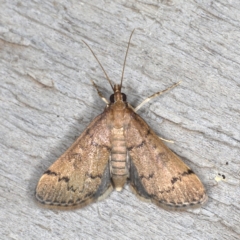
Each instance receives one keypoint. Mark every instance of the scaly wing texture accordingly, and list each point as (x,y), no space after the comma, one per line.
(81,175)
(156,173)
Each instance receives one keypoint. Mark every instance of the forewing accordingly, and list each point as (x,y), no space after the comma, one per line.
(81,175)
(156,173)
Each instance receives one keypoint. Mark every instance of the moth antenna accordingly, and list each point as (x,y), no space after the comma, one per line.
(99,64)
(125,59)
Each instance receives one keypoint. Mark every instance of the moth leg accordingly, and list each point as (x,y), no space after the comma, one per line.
(166,140)
(99,93)
(155,95)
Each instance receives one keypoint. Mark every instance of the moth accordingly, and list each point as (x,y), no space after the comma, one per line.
(119,146)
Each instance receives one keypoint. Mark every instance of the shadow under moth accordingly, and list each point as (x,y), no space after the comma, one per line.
(119,146)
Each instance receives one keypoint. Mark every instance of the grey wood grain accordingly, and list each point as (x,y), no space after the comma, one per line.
(47,99)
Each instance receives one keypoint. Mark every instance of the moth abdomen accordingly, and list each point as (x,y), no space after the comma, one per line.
(119,170)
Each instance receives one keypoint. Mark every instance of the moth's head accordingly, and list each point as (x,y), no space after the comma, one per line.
(118,95)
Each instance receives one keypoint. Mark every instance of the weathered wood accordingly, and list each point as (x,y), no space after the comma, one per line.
(47,99)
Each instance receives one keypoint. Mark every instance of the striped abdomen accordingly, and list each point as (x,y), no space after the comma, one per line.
(118,164)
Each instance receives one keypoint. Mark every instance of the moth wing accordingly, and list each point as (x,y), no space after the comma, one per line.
(156,173)
(81,175)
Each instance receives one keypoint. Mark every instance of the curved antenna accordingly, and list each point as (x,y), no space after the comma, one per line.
(125,59)
(100,65)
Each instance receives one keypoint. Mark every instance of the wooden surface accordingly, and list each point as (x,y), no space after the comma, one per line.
(47,99)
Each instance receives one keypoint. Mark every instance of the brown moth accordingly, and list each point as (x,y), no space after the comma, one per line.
(116,147)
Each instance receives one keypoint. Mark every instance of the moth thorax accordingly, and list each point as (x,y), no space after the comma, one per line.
(118,164)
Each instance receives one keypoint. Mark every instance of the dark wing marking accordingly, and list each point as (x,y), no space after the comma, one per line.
(156,173)
(81,175)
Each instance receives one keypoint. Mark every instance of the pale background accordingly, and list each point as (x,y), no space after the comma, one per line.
(47,99)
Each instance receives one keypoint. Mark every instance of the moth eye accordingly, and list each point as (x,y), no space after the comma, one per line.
(124,97)
(112,98)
